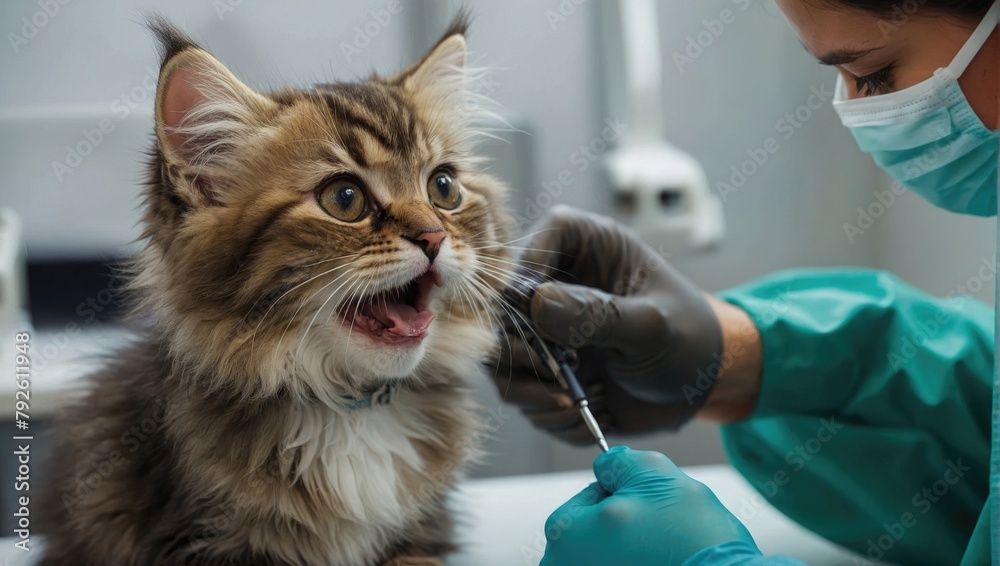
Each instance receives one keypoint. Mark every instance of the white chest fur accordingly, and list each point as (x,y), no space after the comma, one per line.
(364,476)
(368,474)
(359,457)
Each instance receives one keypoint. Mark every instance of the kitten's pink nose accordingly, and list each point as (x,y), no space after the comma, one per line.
(429,242)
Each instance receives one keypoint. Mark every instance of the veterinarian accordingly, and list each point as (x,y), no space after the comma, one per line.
(859,406)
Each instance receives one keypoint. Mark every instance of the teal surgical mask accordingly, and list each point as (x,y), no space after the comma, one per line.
(927,136)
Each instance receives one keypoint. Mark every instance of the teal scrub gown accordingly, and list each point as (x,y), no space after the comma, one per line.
(876,421)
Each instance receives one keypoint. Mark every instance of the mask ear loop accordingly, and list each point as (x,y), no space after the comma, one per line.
(840,89)
(976,41)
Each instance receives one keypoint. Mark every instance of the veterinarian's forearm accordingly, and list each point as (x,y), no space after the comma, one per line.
(734,395)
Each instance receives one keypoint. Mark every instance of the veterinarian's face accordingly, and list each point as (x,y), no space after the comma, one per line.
(883,53)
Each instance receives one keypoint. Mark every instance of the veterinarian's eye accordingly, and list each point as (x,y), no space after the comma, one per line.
(443,191)
(343,199)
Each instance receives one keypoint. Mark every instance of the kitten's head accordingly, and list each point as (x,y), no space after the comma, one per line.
(319,240)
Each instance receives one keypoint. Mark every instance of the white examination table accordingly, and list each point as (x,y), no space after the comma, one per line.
(505,518)
(502,520)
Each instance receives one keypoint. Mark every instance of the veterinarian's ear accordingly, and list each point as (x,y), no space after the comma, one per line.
(204,115)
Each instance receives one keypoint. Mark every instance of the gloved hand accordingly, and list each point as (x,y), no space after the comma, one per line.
(644,511)
(648,342)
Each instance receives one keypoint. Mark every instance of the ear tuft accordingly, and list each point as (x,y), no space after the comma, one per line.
(459,24)
(171,40)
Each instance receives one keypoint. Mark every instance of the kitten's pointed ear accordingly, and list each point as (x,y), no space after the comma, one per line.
(204,116)
(440,75)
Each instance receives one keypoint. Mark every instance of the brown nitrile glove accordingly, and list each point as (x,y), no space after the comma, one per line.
(648,342)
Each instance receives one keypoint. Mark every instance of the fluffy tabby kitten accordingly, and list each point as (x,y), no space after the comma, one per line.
(319,273)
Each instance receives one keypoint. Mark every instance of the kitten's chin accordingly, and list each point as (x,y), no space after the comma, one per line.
(375,357)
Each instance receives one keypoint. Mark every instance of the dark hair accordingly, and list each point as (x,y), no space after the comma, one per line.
(960,8)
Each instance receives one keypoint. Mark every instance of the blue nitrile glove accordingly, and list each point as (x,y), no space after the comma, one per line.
(644,511)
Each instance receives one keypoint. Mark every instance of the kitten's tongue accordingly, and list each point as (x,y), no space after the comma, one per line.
(400,319)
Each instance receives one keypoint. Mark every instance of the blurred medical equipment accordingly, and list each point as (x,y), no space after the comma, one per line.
(13,278)
(659,190)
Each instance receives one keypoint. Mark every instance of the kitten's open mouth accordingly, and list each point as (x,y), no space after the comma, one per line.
(396,315)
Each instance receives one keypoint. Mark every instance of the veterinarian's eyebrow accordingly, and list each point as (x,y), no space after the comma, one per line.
(843,56)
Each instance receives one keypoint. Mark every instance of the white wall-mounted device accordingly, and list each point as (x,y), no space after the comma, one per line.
(658,189)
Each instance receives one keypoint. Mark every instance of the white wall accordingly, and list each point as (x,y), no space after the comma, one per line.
(939,252)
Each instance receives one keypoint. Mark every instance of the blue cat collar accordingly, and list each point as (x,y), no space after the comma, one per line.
(381,396)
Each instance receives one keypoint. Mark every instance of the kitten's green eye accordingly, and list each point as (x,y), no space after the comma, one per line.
(443,191)
(344,200)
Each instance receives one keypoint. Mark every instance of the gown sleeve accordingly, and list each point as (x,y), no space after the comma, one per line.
(872,426)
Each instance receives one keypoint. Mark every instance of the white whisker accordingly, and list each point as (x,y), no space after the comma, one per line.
(361,295)
(253,336)
(307,299)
